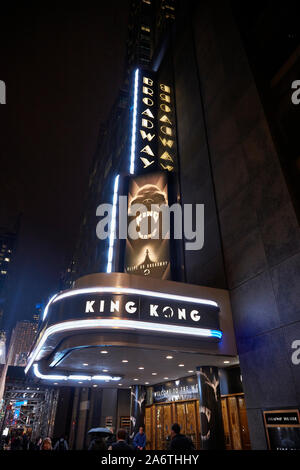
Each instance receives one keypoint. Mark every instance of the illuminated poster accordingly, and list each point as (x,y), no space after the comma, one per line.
(148,254)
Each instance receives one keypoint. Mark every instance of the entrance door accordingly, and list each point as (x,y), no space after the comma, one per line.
(160,417)
(235,422)
(167,424)
(192,423)
(159,427)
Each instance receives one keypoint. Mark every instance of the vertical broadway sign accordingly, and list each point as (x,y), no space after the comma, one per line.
(146,139)
(166,128)
(153,156)
(154,119)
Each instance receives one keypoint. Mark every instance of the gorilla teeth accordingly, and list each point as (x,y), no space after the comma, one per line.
(144,215)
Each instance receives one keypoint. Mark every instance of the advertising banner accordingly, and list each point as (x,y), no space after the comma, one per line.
(148,254)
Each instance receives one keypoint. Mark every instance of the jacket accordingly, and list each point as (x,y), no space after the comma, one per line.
(139,440)
(180,443)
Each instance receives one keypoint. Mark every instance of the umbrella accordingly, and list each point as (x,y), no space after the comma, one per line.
(100,431)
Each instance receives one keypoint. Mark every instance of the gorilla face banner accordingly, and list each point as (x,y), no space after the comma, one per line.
(147,249)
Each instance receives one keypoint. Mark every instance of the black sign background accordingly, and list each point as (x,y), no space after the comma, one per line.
(74,307)
(282,418)
(141,166)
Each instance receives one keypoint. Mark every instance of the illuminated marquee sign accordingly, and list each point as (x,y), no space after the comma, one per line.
(155,125)
(136,307)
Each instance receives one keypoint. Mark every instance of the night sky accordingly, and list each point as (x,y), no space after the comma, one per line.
(62,68)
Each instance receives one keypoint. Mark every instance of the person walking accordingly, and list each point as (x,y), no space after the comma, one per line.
(25,441)
(61,444)
(179,442)
(139,440)
(98,444)
(16,442)
(121,444)
(111,439)
(47,444)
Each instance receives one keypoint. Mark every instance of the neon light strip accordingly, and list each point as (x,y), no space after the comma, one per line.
(113,226)
(129,290)
(133,135)
(49,377)
(71,377)
(47,306)
(120,324)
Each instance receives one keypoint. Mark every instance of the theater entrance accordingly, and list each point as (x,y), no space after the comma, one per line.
(159,418)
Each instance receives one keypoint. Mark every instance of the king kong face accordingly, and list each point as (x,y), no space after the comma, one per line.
(149,195)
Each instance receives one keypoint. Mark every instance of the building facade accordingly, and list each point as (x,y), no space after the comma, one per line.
(192,126)
(21,342)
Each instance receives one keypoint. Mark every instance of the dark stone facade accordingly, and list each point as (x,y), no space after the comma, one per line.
(230,163)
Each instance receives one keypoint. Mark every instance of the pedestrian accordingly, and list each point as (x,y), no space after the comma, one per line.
(98,444)
(38,444)
(179,442)
(111,439)
(46,444)
(61,444)
(121,444)
(16,442)
(139,440)
(25,441)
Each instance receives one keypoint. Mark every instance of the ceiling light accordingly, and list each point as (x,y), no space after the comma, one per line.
(146,383)
(120,385)
(180,365)
(85,364)
(166,378)
(135,379)
(154,373)
(124,360)
(169,357)
(190,371)
(105,370)
(95,385)
(141,368)
(226,362)
(104,352)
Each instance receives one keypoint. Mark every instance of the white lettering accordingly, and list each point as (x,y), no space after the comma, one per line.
(147,136)
(153,310)
(89,306)
(181,314)
(114,306)
(195,315)
(130,307)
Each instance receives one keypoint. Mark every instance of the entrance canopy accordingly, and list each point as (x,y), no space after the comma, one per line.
(88,330)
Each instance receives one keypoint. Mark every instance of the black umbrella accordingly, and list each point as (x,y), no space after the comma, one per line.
(101,432)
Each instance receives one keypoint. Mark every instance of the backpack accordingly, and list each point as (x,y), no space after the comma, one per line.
(61,445)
